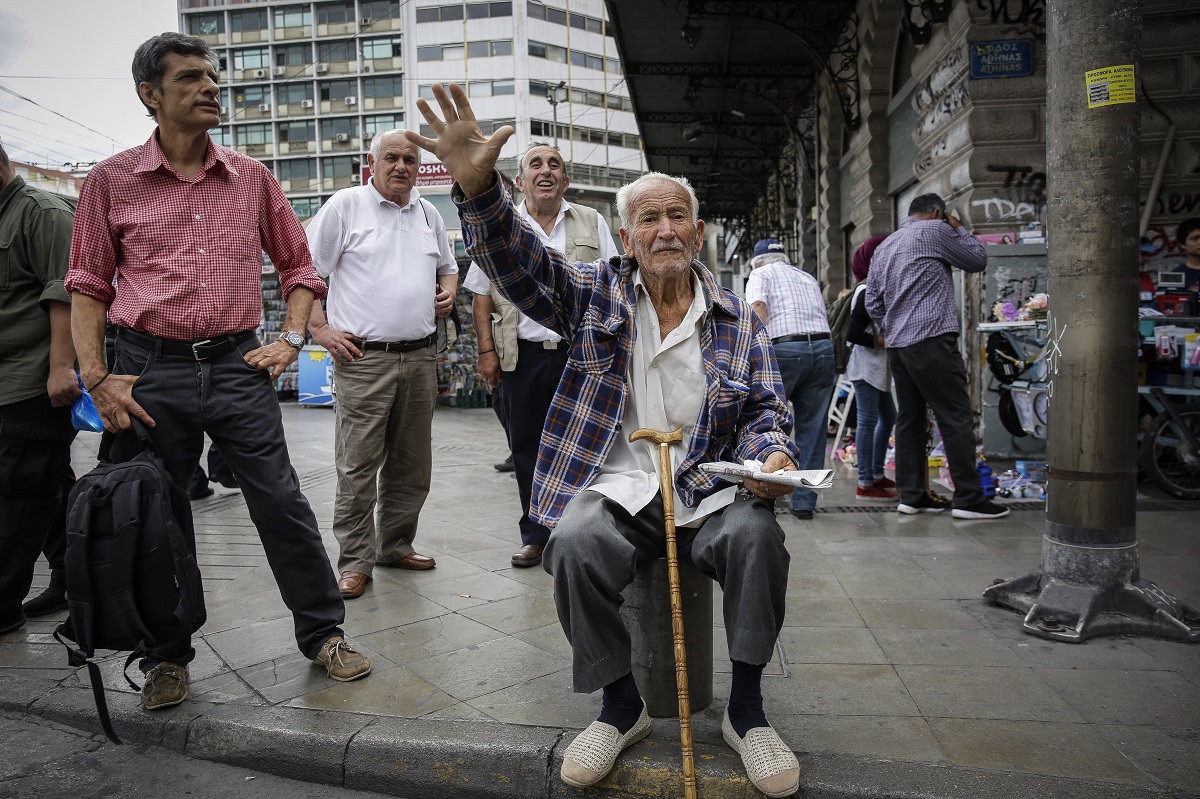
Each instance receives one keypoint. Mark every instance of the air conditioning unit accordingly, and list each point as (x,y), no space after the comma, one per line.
(322,69)
(366,21)
(280,71)
(260,73)
(224,114)
(351,101)
(366,67)
(264,107)
(343,137)
(356,180)
(306,103)
(368,135)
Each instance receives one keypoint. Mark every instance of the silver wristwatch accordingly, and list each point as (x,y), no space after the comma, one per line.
(292,338)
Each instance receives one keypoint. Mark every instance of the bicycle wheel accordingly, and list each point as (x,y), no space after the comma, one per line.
(1170,460)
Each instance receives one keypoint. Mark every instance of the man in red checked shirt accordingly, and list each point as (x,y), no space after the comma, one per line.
(181,223)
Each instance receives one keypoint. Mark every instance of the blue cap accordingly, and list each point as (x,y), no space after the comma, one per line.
(765,246)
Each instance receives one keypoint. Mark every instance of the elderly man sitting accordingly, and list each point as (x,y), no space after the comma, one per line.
(655,342)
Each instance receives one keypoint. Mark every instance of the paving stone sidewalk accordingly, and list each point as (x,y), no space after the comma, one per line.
(892,676)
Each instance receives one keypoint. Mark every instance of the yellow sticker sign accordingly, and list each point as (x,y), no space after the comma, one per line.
(1110,86)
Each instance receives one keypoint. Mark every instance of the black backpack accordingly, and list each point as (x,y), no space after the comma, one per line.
(132,577)
(838,315)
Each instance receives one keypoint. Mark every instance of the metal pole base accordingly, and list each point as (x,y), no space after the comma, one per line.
(1082,592)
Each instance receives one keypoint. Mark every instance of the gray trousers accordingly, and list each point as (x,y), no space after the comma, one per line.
(596,547)
(236,405)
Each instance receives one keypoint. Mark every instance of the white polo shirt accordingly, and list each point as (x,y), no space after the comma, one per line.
(382,262)
(527,329)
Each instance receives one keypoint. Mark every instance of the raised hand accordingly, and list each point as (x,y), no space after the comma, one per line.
(468,155)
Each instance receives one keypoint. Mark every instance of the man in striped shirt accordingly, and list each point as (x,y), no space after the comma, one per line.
(182,223)
(655,343)
(788,300)
(910,296)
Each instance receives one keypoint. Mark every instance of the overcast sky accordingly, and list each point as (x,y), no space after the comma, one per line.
(72,58)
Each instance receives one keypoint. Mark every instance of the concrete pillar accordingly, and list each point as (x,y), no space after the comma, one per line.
(1089,583)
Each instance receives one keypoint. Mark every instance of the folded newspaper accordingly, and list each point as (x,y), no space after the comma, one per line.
(803,478)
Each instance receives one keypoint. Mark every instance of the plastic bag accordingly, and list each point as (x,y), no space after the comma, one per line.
(84,415)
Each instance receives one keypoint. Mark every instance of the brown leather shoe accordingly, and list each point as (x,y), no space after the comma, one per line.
(414,562)
(352,584)
(528,555)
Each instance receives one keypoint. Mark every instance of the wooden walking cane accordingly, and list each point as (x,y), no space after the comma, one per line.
(664,440)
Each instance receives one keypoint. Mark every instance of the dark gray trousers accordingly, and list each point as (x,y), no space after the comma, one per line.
(596,547)
(931,374)
(236,405)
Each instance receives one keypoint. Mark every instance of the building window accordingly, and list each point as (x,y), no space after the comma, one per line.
(252,58)
(441,52)
(340,166)
(251,96)
(305,207)
(248,21)
(335,14)
(614,102)
(206,25)
(221,136)
(440,13)
(384,86)
(297,131)
(487,126)
(486,49)
(486,88)
(293,55)
(538,127)
(340,50)
(337,89)
(347,126)
(550,52)
(559,17)
(381,122)
(485,10)
(297,169)
(380,9)
(386,47)
(248,135)
(294,92)
(292,17)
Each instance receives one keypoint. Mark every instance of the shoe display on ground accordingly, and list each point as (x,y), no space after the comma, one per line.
(49,601)
(352,584)
(873,493)
(413,562)
(594,751)
(528,555)
(984,510)
(883,482)
(930,503)
(507,466)
(803,515)
(166,686)
(201,493)
(770,764)
(343,662)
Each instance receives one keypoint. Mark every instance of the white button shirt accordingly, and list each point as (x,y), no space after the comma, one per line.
(382,262)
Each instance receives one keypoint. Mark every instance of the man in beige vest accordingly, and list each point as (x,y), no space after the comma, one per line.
(530,358)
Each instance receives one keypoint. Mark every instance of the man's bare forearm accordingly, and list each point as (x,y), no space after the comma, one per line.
(299,309)
(88,319)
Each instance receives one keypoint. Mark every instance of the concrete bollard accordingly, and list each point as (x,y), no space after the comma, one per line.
(647,615)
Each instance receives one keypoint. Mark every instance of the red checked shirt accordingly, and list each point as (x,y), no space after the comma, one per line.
(186,254)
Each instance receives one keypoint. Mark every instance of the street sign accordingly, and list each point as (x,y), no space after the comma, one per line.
(433,174)
(1004,58)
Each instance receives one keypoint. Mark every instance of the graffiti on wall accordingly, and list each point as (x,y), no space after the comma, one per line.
(1021,199)
(943,74)
(946,107)
(1177,203)
(1022,17)
(998,209)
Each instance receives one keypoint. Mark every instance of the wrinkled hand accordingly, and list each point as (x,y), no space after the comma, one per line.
(443,301)
(114,400)
(339,343)
(63,386)
(468,155)
(275,357)
(777,461)
(489,368)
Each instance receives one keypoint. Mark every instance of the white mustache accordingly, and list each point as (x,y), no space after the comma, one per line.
(660,246)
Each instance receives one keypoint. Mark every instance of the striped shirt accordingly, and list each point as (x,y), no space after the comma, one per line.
(594,307)
(187,253)
(793,299)
(910,291)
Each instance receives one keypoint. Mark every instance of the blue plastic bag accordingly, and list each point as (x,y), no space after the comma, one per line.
(84,415)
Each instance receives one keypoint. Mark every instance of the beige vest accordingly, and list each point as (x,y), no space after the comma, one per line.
(582,245)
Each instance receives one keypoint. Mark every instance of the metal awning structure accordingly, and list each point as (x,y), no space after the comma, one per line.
(725,94)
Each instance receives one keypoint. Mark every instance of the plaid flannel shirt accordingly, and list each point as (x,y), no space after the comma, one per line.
(592,306)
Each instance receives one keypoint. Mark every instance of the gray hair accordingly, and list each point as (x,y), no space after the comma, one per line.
(626,192)
(377,142)
(149,62)
(533,146)
(769,258)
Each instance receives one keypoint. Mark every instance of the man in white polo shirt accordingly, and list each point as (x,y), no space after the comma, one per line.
(391,273)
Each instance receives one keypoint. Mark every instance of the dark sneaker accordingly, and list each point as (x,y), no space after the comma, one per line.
(166,686)
(874,493)
(984,510)
(507,466)
(803,514)
(343,662)
(930,503)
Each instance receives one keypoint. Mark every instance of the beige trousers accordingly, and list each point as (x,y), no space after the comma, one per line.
(382,449)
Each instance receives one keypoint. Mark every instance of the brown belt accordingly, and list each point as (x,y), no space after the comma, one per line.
(395,346)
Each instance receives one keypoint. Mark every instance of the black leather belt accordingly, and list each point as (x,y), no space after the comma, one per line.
(204,349)
(396,346)
(801,337)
